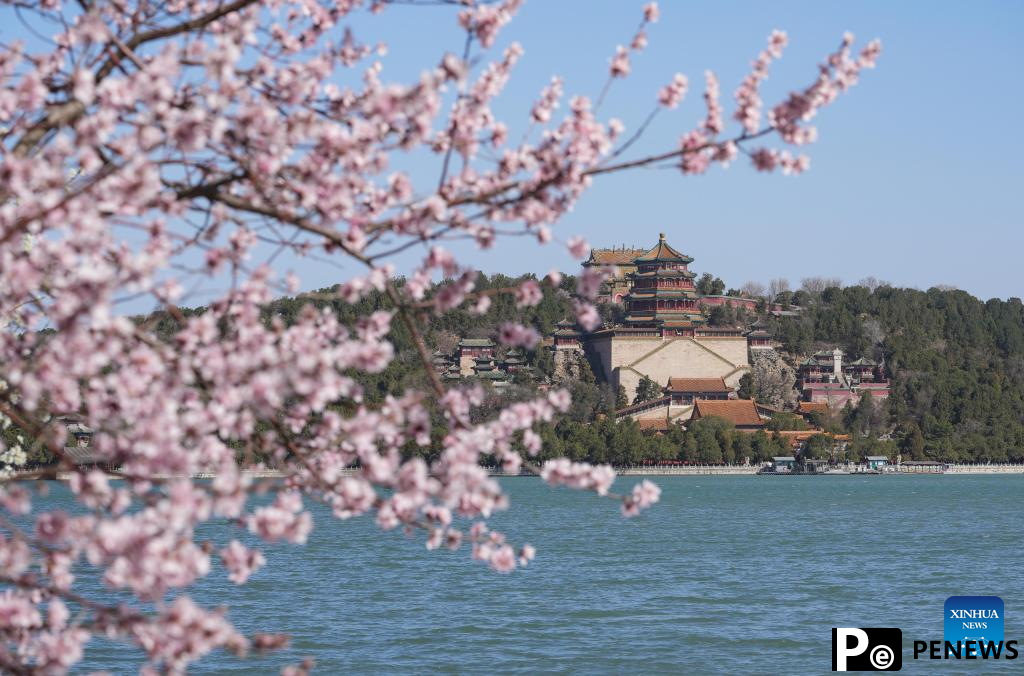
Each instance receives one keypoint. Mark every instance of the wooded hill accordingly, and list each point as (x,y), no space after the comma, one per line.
(956,365)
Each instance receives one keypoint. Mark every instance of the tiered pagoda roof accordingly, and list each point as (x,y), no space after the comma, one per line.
(483,364)
(662,293)
(566,328)
(662,251)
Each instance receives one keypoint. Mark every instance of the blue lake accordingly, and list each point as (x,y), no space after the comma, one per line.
(726,574)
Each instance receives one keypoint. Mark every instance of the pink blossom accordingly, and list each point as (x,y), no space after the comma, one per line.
(765,159)
(548,101)
(586,316)
(532,443)
(589,282)
(453,539)
(563,472)
(695,159)
(578,247)
(241,561)
(482,305)
(643,496)
(202,161)
(713,123)
(529,294)
(185,632)
(620,62)
(283,520)
(485,20)
(16,500)
(503,559)
(17,612)
(517,335)
(671,95)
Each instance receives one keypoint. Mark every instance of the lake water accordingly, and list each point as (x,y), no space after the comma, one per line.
(726,574)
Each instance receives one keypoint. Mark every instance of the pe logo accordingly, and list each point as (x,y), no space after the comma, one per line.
(973,621)
(877,649)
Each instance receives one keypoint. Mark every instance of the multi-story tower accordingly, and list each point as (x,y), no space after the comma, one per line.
(662,293)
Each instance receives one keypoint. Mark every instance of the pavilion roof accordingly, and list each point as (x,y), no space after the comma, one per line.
(699,385)
(492,375)
(811,406)
(653,424)
(740,412)
(663,252)
(621,256)
(476,342)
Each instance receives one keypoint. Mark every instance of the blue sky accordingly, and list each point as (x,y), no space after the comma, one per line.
(915,178)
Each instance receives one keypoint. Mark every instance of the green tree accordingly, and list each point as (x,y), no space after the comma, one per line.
(913,444)
(621,399)
(817,447)
(646,390)
(746,388)
(709,285)
(786,422)
(742,447)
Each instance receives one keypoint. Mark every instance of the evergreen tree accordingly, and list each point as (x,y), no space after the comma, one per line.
(646,390)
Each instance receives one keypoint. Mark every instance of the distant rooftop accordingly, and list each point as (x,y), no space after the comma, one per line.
(663,252)
(615,256)
(699,385)
(476,342)
(740,412)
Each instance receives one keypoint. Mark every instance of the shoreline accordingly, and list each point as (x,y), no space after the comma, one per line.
(690,470)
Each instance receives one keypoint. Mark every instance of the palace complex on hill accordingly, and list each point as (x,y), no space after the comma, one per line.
(477,358)
(665,333)
(665,336)
(824,378)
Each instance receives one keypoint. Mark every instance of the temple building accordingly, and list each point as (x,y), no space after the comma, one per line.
(566,336)
(486,368)
(740,412)
(824,378)
(471,348)
(620,260)
(684,391)
(514,362)
(662,294)
(759,339)
(665,332)
(445,365)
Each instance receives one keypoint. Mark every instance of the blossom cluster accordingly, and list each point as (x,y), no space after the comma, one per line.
(170,153)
